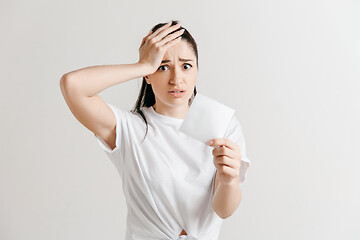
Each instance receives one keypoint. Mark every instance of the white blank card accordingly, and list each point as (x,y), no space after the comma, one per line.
(206,119)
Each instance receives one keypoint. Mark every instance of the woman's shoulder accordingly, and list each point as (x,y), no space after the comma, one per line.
(131,115)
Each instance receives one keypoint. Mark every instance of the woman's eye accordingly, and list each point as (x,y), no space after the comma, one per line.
(161,67)
(187,64)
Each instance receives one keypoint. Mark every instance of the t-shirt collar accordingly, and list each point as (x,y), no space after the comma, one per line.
(176,122)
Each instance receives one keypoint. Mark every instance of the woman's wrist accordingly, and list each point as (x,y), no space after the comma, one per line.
(145,68)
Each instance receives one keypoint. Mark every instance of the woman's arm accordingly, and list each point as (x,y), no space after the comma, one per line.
(90,81)
(80,89)
(227,193)
(226,199)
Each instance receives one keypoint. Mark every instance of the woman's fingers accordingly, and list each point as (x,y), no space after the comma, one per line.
(158,36)
(224,160)
(144,39)
(154,34)
(160,29)
(167,41)
(157,32)
(169,44)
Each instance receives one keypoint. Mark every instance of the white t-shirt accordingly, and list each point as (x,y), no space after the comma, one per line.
(168,178)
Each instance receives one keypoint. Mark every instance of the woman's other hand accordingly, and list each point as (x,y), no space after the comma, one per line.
(154,45)
(227,157)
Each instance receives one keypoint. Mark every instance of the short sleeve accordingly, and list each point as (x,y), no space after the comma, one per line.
(235,134)
(120,116)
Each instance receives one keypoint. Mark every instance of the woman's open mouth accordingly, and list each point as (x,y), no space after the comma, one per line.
(177,93)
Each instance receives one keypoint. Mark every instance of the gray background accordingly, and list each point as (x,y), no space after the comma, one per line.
(290,69)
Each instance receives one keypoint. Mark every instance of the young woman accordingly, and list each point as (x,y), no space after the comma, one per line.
(175,186)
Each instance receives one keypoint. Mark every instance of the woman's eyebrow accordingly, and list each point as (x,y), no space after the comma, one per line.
(181,59)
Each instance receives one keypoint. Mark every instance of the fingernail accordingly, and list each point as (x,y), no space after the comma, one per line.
(210,142)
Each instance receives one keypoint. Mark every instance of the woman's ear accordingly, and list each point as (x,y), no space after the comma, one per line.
(147,79)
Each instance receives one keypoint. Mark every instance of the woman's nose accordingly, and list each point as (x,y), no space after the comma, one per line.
(176,77)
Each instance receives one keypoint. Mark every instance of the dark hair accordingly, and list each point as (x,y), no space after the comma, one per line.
(146,96)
